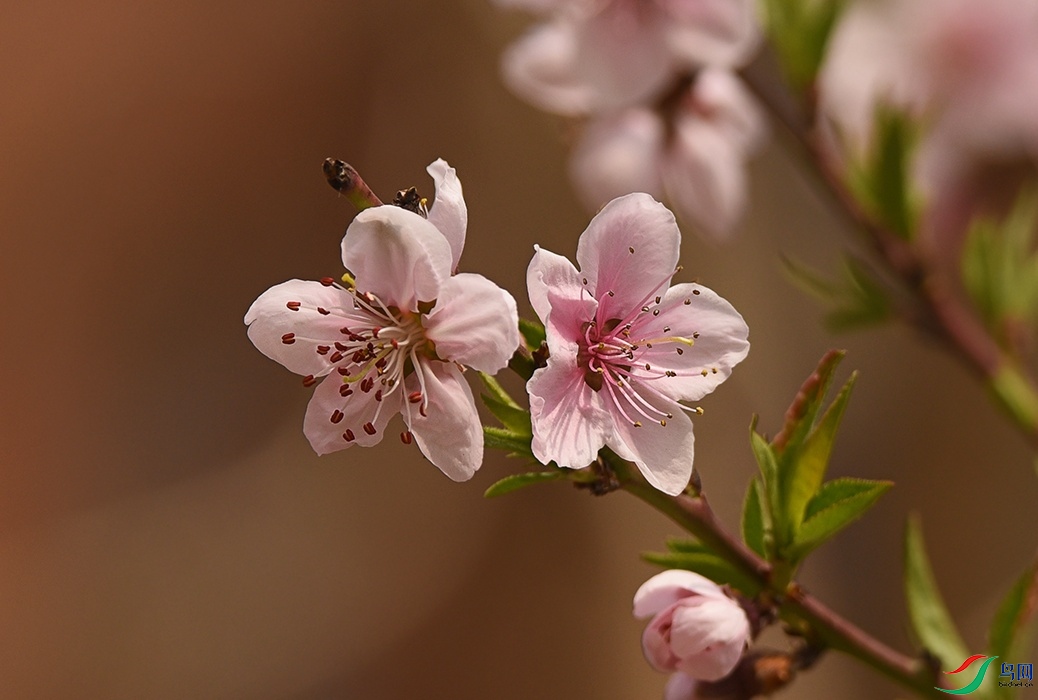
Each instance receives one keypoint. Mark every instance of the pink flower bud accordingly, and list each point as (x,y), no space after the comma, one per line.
(696,628)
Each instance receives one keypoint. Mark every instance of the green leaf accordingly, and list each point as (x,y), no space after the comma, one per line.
(803,476)
(706,563)
(854,300)
(754,531)
(799,30)
(504,439)
(800,416)
(838,504)
(1013,625)
(518,481)
(927,613)
(532,332)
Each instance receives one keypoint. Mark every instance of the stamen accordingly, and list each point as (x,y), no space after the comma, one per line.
(369,429)
(345,390)
(337,416)
(309,380)
(323,349)
(323,311)
(327,281)
(406,437)
(288,338)
(348,436)
(293,305)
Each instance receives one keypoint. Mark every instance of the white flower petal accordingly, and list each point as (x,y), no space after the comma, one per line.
(622,280)
(449,213)
(680,686)
(668,587)
(663,454)
(396,255)
(292,337)
(474,323)
(450,435)
(719,336)
(552,279)
(328,431)
(712,32)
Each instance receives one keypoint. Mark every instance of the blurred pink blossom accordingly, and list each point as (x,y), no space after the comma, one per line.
(696,629)
(592,56)
(698,164)
(626,347)
(390,345)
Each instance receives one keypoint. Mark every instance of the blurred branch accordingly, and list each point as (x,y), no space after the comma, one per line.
(936,310)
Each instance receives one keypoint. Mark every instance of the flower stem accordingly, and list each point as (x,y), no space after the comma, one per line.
(794,604)
(938,311)
(347,181)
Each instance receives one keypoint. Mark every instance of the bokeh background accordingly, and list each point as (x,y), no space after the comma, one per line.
(165,529)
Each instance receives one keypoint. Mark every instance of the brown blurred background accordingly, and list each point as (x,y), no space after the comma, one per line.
(165,529)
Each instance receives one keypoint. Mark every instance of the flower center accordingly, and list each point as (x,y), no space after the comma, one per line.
(627,358)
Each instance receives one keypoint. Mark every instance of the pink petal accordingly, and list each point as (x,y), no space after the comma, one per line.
(663,454)
(541,68)
(396,255)
(449,213)
(291,337)
(705,177)
(554,284)
(328,435)
(712,32)
(656,643)
(618,154)
(474,323)
(709,637)
(623,55)
(668,587)
(569,424)
(721,98)
(680,687)
(719,336)
(450,435)
(623,281)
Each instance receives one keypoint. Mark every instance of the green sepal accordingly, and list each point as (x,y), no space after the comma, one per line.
(519,481)
(854,300)
(836,505)
(512,416)
(927,613)
(505,439)
(882,182)
(692,556)
(533,332)
(799,31)
(755,531)
(1012,628)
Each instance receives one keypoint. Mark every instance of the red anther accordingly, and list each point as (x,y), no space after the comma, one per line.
(406,437)
(348,436)
(421,410)
(358,356)
(367,384)
(394,343)
(381,363)
(309,380)
(323,311)
(345,330)
(288,338)
(369,429)
(337,416)
(378,395)
(293,305)
(414,396)
(375,331)
(344,371)
(341,347)
(345,390)
(335,357)
(323,349)
(327,281)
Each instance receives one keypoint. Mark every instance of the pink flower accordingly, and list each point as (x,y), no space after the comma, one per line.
(698,164)
(625,348)
(597,55)
(695,629)
(394,342)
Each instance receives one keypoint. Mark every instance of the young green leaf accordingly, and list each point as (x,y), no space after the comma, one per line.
(926,611)
(532,332)
(504,439)
(518,481)
(754,531)
(708,564)
(799,31)
(1013,625)
(802,477)
(511,416)
(800,416)
(839,503)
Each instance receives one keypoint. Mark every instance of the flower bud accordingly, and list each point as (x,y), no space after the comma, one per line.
(696,628)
